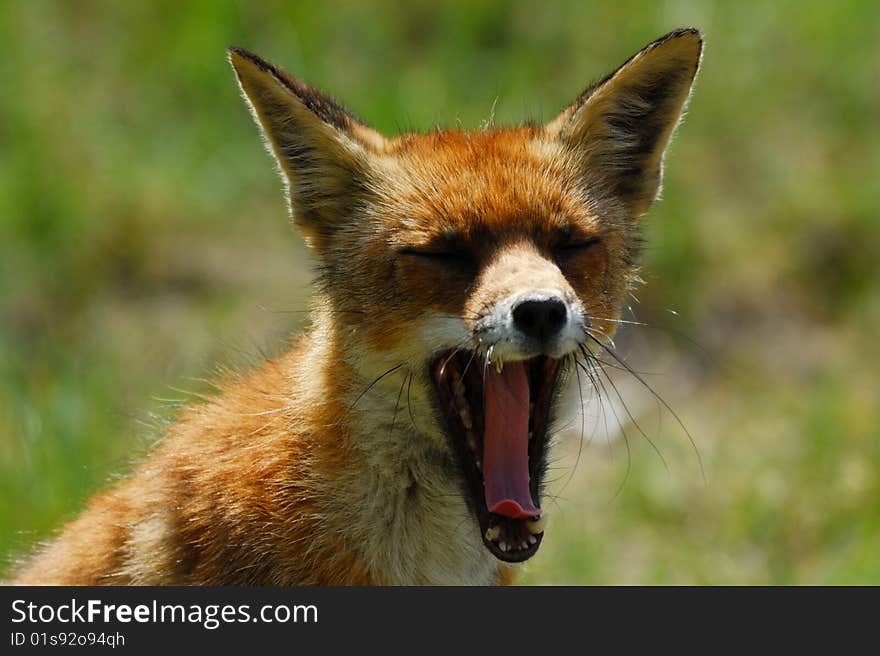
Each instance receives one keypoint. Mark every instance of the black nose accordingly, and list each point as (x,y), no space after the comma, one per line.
(541,319)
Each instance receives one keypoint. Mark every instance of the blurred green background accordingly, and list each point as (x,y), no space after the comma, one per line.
(144,242)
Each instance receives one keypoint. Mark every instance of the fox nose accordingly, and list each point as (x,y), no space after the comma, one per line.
(540,318)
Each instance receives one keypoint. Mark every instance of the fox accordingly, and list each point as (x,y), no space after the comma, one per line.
(462,276)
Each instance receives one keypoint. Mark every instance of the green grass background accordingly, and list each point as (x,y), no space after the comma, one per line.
(143,241)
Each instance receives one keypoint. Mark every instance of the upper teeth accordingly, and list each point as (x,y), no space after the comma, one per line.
(465,415)
(463,410)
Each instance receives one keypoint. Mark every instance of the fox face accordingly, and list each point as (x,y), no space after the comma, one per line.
(463,276)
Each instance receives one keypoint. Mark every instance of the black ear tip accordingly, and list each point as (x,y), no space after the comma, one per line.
(236,53)
(684,32)
(687,40)
(691,34)
(238,56)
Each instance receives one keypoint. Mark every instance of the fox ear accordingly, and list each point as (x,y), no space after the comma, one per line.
(617,130)
(323,151)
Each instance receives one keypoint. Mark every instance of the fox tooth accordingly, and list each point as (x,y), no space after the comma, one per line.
(492,533)
(536,526)
(503,546)
(532,539)
(465,415)
(458,388)
(499,365)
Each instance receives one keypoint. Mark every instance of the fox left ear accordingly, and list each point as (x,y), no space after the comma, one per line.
(323,151)
(617,130)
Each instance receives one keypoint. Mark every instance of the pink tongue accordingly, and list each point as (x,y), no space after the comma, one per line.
(506,442)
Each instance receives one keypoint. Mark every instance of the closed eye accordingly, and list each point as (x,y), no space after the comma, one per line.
(439,256)
(575,247)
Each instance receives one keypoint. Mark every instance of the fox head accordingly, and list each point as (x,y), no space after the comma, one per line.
(483,267)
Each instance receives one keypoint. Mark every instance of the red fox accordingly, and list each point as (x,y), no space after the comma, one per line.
(404,438)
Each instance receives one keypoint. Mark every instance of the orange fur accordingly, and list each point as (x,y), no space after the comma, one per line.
(308,470)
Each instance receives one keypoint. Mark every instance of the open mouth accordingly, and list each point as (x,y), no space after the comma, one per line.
(497,418)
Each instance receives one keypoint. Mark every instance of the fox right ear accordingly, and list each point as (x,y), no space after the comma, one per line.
(323,151)
(617,131)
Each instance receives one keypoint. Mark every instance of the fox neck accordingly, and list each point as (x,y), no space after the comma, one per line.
(396,495)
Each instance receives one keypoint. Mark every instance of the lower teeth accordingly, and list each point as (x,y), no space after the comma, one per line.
(495,533)
(536,526)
